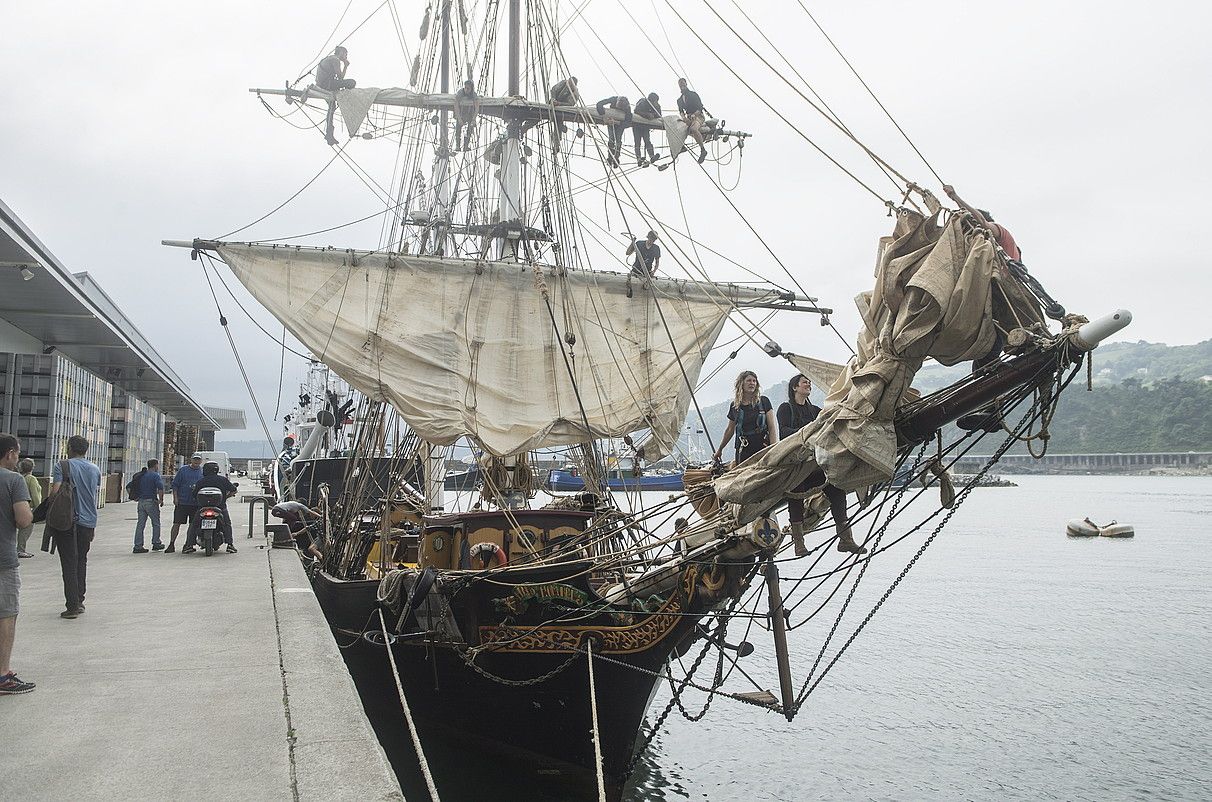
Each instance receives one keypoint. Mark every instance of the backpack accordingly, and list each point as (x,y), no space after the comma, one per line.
(61,512)
(132,487)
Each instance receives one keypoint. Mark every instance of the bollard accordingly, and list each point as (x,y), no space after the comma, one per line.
(252,505)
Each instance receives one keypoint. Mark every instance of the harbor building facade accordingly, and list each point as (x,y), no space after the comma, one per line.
(71,362)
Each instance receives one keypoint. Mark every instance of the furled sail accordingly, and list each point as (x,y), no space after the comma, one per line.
(355,104)
(940,292)
(515,357)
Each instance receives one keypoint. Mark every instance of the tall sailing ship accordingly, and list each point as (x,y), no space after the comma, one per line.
(485,316)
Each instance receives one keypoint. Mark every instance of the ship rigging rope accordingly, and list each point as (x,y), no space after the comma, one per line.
(836,49)
(236,353)
(304,73)
(811,89)
(836,123)
(283,204)
(412,727)
(782,117)
(255,322)
(1033,413)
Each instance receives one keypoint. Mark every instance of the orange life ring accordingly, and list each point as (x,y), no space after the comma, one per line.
(489,551)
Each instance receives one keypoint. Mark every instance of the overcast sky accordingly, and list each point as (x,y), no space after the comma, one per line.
(1081,125)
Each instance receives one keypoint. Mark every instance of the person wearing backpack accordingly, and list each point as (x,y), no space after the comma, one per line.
(73,539)
(147,488)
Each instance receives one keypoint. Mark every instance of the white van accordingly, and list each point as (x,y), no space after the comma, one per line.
(216,456)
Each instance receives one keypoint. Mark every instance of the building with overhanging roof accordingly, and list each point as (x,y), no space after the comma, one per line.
(72,363)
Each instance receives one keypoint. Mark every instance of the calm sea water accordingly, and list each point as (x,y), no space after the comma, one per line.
(1012,663)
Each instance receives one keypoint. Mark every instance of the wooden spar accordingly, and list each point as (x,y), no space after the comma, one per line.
(917,422)
(778,625)
(445,113)
(820,310)
(508,108)
(515,47)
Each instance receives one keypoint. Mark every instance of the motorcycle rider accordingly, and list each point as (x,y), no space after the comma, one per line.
(212,478)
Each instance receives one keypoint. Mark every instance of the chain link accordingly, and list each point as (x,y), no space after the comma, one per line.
(517,683)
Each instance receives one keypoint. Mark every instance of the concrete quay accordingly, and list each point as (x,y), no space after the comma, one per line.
(187,677)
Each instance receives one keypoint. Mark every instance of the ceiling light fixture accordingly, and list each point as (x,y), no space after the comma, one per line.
(26,274)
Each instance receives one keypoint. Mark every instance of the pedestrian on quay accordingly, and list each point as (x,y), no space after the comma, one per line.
(149,493)
(212,478)
(185,505)
(15,514)
(73,544)
(26,467)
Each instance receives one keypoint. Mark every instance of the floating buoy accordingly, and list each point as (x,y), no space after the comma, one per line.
(1115,529)
(1081,527)
(1084,527)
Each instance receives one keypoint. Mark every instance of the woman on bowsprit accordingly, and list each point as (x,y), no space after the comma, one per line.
(750,419)
(794,414)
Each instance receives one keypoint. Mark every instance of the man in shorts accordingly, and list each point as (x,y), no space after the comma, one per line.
(185,506)
(15,514)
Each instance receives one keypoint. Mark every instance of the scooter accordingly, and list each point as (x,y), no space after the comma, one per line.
(211,521)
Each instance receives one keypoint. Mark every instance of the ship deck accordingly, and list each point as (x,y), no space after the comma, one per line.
(187,677)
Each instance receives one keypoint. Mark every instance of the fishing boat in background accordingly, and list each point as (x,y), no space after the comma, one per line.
(621,473)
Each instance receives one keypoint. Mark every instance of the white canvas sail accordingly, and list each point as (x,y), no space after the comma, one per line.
(462,348)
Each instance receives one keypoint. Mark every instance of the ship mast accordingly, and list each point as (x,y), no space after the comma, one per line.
(441,175)
(509,207)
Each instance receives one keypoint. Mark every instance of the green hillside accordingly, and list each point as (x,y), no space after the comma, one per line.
(1146,397)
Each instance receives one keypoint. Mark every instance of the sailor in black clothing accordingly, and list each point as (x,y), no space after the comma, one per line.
(615,129)
(330,76)
(794,414)
(650,109)
(690,106)
(647,255)
(564,93)
(467,106)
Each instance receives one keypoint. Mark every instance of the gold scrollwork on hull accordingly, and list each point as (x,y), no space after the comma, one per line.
(613,640)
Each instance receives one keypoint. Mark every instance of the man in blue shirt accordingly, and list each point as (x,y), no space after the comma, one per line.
(185,507)
(149,493)
(73,545)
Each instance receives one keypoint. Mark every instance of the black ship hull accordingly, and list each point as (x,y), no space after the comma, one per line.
(374,478)
(547,723)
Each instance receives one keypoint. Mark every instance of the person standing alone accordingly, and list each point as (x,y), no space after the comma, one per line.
(73,544)
(15,514)
(149,493)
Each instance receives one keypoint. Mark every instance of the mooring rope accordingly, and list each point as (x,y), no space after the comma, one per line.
(593,707)
(412,727)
